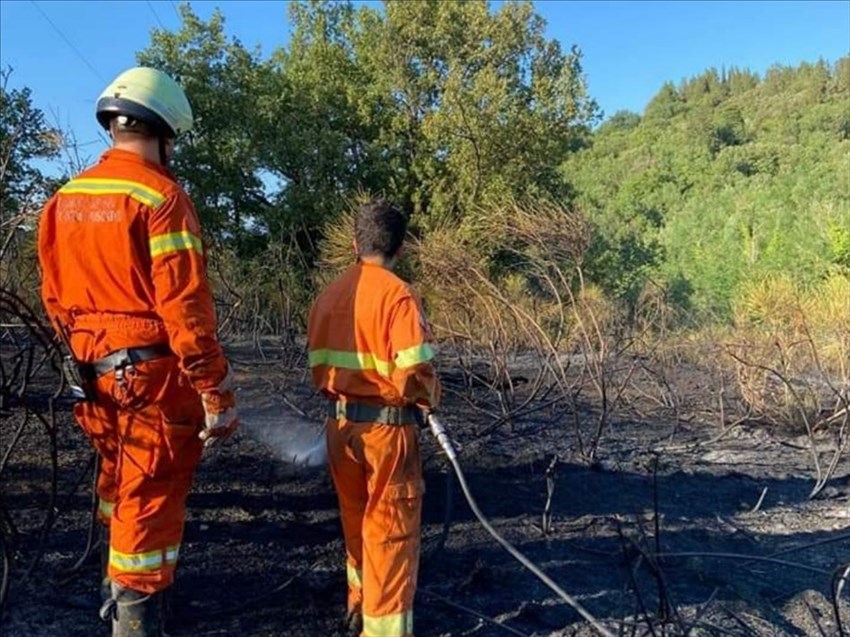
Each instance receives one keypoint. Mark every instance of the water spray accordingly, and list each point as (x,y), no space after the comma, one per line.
(292,438)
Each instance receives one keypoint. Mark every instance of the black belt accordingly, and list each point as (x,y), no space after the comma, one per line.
(125,357)
(360,412)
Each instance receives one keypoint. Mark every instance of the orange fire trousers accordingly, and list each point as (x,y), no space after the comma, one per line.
(145,428)
(377,473)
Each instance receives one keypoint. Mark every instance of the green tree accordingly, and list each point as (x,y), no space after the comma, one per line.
(25,140)
(443,106)
(440,105)
(25,137)
(218,164)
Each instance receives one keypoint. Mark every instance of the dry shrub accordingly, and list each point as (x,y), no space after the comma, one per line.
(470,314)
(791,348)
(335,249)
(600,315)
(504,291)
(266,295)
(505,275)
(19,271)
(828,312)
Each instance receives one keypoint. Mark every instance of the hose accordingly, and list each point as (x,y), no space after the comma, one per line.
(4,573)
(91,542)
(439,432)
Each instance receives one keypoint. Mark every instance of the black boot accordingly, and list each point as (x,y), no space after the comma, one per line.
(133,613)
(354,623)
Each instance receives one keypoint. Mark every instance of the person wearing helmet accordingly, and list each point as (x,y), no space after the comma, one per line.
(124,283)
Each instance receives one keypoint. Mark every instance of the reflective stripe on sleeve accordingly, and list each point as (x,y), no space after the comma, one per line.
(414,355)
(173,241)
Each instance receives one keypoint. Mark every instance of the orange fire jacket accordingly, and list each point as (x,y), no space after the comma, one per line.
(368,341)
(123,265)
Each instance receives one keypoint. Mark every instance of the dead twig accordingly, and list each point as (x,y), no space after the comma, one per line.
(470,611)
(739,556)
(815,618)
(761,499)
(839,579)
(546,522)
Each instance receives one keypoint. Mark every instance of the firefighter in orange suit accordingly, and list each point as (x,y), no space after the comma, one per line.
(370,356)
(124,283)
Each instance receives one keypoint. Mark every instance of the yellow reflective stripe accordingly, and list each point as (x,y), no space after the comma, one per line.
(105,508)
(171,554)
(355,576)
(135,562)
(174,241)
(349,360)
(100,186)
(140,562)
(414,355)
(397,625)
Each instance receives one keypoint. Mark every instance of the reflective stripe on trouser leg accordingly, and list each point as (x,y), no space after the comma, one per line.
(99,421)
(104,510)
(141,562)
(354,576)
(398,625)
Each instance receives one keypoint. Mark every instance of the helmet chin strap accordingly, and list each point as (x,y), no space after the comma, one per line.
(162,158)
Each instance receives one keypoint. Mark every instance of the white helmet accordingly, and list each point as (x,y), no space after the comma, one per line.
(149,96)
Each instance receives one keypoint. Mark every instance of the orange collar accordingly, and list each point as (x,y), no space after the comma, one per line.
(133,158)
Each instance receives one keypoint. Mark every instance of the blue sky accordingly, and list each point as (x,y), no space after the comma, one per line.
(630,48)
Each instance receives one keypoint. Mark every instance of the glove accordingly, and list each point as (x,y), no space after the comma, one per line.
(421,413)
(220,413)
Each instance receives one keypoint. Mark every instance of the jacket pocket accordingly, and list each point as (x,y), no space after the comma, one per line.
(182,414)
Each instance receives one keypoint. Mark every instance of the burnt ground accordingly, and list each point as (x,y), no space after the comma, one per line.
(262,554)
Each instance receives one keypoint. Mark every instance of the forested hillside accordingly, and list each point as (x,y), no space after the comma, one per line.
(724,179)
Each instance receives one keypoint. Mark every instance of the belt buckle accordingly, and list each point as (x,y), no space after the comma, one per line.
(124,363)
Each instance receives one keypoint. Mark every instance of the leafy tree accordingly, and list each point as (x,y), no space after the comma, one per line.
(218,165)
(443,106)
(665,104)
(440,105)
(25,139)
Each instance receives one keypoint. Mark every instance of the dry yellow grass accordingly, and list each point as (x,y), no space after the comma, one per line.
(790,345)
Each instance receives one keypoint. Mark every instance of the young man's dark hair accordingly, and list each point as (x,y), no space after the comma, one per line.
(379,229)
